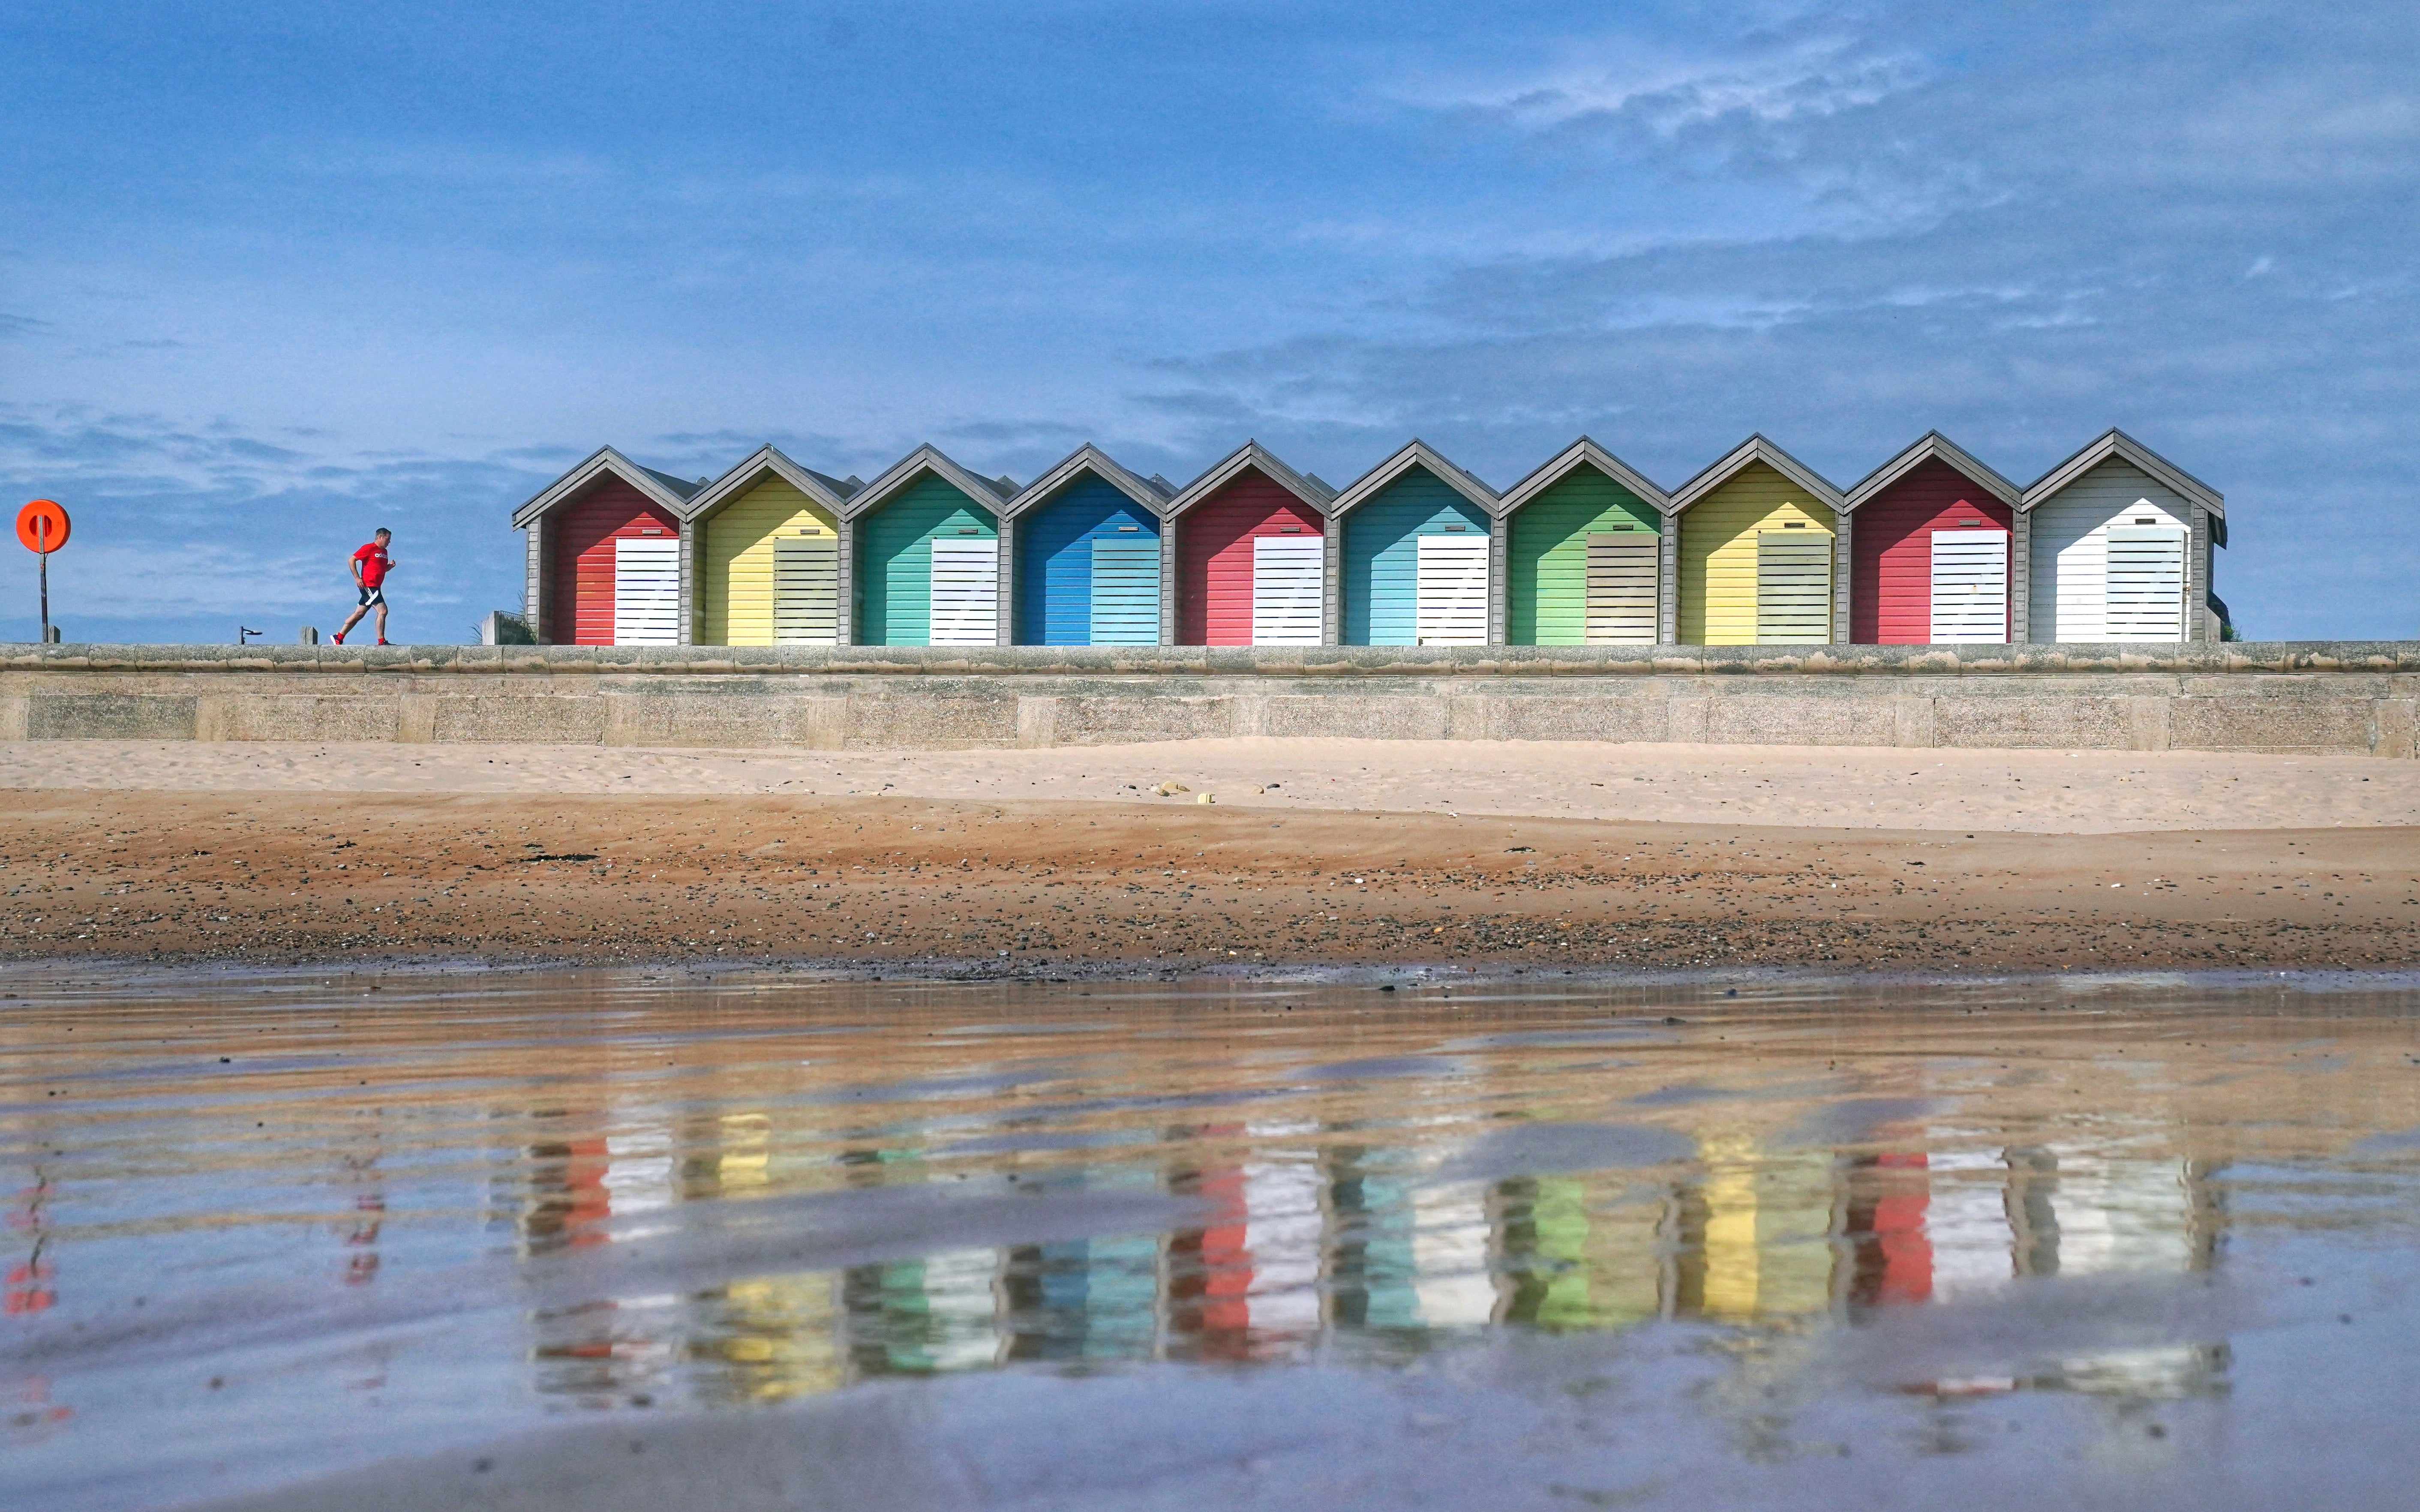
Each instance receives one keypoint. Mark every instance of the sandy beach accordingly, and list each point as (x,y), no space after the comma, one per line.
(1309,852)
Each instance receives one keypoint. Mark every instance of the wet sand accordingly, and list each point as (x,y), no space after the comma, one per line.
(621,1240)
(1510,856)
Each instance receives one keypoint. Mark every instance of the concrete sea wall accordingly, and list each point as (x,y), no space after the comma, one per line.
(2317,697)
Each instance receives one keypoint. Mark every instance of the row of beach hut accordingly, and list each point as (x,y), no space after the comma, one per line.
(1933,547)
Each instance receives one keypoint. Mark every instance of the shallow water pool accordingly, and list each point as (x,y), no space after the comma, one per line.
(2115,1241)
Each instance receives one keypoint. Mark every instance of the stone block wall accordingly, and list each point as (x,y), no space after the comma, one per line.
(2307,697)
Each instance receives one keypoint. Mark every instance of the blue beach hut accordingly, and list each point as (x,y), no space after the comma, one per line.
(1085,538)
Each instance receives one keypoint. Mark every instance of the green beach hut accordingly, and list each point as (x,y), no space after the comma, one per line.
(1586,553)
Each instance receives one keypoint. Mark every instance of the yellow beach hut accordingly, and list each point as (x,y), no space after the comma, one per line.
(765,547)
(1761,534)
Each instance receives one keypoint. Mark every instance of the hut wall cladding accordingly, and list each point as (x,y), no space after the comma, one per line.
(2069,551)
(1380,559)
(1718,551)
(1213,556)
(736,560)
(579,590)
(1891,550)
(1054,563)
(1546,554)
(894,559)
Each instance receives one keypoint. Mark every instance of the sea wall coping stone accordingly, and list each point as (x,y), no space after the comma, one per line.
(2233,658)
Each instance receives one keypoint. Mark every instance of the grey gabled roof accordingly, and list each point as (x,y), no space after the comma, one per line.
(825,490)
(1932,446)
(663,487)
(1755,449)
(1583,452)
(1151,493)
(923,459)
(1417,454)
(2117,443)
(1254,456)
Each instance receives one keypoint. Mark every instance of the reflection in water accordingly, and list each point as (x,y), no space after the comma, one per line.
(1887,1243)
(1313,1149)
(1314,1230)
(30,1272)
(566,1200)
(1348,1240)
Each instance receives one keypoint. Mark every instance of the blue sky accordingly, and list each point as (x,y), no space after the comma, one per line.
(273,274)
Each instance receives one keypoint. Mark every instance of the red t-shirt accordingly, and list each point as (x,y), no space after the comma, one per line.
(373,561)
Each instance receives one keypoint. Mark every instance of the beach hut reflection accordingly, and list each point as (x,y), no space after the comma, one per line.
(565,1201)
(917,1317)
(1319,1236)
(1373,1258)
(1247,1284)
(610,1349)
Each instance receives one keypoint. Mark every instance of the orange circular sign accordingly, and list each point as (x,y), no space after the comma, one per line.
(42,525)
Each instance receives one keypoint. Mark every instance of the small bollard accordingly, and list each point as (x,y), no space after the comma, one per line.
(309,636)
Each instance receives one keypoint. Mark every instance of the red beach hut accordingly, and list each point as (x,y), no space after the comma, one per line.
(1931,557)
(1251,555)
(604,555)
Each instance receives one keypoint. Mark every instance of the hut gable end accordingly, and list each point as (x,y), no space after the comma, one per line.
(1933,447)
(2125,448)
(1090,461)
(1223,587)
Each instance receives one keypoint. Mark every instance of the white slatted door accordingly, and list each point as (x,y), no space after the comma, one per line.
(1286,577)
(1126,591)
(806,590)
(1970,586)
(1621,587)
(2147,582)
(965,591)
(646,591)
(1794,587)
(1451,604)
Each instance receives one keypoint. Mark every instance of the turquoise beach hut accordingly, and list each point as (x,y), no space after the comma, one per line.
(925,555)
(1411,555)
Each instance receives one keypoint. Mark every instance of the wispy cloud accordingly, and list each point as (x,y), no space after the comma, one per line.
(1631,90)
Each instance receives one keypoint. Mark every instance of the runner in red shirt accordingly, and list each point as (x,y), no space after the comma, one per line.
(370,566)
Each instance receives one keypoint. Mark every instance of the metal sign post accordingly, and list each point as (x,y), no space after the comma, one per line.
(43,529)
